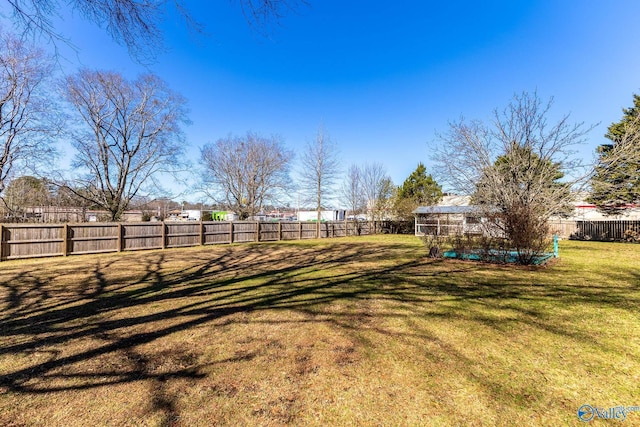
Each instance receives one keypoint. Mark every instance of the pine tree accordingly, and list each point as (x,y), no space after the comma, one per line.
(616,180)
(419,189)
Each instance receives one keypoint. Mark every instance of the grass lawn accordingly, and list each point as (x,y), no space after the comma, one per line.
(349,331)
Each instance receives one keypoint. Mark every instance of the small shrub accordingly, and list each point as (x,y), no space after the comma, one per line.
(434,243)
(493,249)
(632,235)
(461,244)
(527,231)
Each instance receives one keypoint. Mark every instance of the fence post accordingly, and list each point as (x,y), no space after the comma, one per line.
(257,231)
(202,237)
(300,230)
(164,235)
(120,241)
(65,240)
(279,230)
(1,242)
(230,231)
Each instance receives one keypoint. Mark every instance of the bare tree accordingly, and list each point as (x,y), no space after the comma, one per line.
(128,132)
(132,23)
(28,116)
(519,169)
(378,189)
(246,172)
(352,190)
(319,172)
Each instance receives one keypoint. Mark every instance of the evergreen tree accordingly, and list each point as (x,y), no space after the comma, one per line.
(419,189)
(616,180)
(521,177)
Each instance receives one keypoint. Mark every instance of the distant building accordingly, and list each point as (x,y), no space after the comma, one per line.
(57,214)
(223,216)
(333,215)
(584,211)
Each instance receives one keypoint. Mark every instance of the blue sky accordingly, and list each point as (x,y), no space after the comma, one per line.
(384,77)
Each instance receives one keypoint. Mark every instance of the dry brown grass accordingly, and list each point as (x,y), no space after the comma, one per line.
(355,331)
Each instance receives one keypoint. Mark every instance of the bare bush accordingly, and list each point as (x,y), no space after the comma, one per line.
(519,170)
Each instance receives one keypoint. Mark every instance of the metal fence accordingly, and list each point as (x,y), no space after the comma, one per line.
(43,240)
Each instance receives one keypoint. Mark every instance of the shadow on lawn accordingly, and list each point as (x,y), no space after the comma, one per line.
(131,300)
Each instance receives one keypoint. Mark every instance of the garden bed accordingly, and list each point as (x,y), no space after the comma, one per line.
(510,257)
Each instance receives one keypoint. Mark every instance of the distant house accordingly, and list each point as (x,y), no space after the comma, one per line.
(176,215)
(585,211)
(193,214)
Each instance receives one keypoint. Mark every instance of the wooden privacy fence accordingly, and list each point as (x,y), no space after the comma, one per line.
(564,228)
(43,240)
(612,230)
(601,230)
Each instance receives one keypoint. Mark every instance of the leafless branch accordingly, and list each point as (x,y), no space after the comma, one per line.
(246,172)
(519,169)
(320,168)
(29,117)
(129,132)
(135,24)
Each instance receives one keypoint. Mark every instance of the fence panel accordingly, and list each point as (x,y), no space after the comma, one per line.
(145,235)
(354,228)
(180,234)
(366,228)
(93,238)
(563,228)
(217,232)
(308,230)
(245,231)
(33,240)
(269,231)
(324,230)
(609,230)
(291,230)
(339,229)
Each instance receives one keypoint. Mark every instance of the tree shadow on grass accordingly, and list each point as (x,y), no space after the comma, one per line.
(131,300)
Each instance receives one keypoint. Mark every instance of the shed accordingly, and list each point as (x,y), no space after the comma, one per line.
(448,220)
